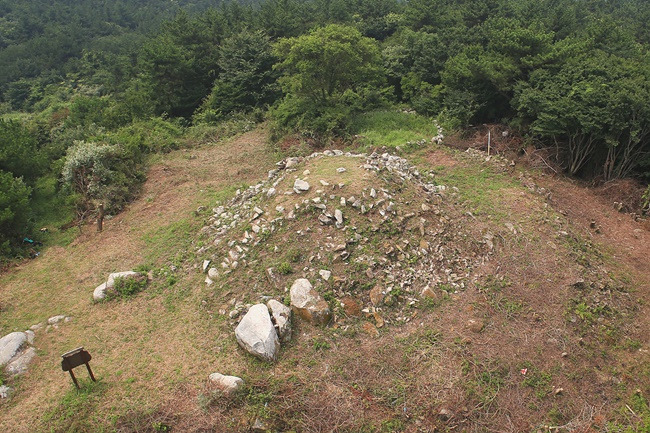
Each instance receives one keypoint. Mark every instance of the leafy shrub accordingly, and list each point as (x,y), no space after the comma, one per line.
(102,173)
(285,268)
(126,287)
(19,151)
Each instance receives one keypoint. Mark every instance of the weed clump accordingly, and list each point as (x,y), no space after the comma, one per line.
(127,287)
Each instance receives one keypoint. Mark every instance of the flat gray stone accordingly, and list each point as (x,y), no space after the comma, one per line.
(55,319)
(10,345)
(20,364)
(257,335)
(300,186)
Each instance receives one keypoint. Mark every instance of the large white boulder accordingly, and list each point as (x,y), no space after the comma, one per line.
(256,334)
(10,345)
(20,364)
(110,283)
(99,294)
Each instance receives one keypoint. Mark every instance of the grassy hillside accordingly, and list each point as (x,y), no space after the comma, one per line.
(535,321)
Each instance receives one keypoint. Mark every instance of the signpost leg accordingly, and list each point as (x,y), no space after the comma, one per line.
(90,372)
(74,379)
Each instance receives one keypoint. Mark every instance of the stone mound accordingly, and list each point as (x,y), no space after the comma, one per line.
(376,237)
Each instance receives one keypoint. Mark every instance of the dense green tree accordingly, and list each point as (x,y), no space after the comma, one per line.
(20,153)
(246,78)
(14,210)
(595,107)
(326,75)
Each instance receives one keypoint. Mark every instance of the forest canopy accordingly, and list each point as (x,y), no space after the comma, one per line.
(121,79)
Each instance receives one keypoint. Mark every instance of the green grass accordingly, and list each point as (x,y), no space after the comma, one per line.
(51,209)
(480,188)
(172,241)
(392,128)
(75,411)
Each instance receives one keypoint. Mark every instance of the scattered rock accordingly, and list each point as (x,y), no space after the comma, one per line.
(5,391)
(351,306)
(291,162)
(229,385)
(55,319)
(376,295)
(257,335)
(308,304)
(370,329)
(338,215)
(324,220)
(475,325)
(300,186)
(428,292)
(445,414)
(213,274)
(126,275)
(341,170)
(281,317)
(103,290)
(206,265)
(259,426)
(325,274)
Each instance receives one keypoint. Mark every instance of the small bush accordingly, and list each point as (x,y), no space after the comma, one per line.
(285,268)
(127,287)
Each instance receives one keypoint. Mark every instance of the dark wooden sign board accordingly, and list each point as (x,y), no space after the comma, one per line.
(75,358)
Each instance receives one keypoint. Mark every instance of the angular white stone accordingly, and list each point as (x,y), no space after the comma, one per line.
(227,384)
(308,304)
(300,186)
(325,274)
(256,334)
(338,215)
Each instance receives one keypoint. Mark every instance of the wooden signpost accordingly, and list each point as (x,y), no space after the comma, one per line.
(75,358)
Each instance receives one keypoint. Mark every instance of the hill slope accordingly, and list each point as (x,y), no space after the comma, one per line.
(531,318)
